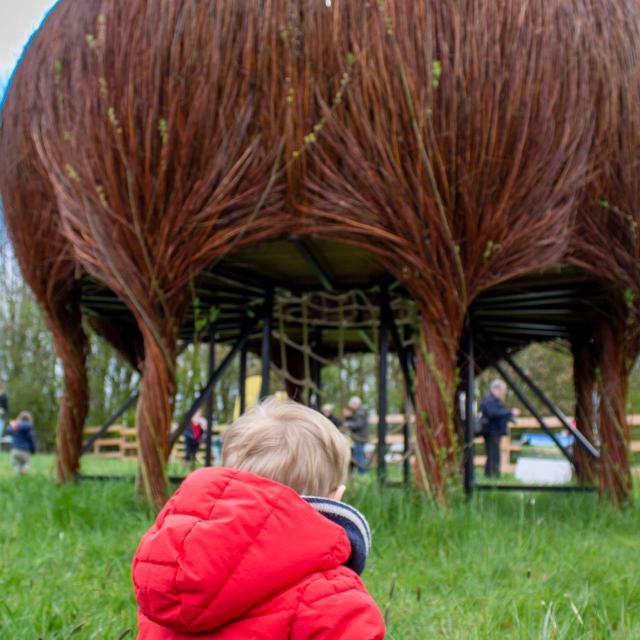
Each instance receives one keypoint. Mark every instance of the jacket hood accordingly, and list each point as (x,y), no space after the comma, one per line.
(226,541)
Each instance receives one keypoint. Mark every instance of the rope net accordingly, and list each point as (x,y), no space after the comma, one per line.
(319,329)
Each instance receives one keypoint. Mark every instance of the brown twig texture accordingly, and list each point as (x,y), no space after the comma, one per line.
(462,143)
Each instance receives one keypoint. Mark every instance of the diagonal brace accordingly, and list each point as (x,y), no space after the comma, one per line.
(129,402)
(580,438)
(216,375)
(534,412)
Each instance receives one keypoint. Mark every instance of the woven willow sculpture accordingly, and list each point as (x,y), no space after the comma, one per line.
(462,144)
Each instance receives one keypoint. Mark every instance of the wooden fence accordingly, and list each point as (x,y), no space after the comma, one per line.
(119,442)
(511,446)
(122,441)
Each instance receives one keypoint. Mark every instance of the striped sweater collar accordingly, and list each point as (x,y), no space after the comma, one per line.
(353,522)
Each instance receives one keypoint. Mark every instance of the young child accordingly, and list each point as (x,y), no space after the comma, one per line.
(23,442)
(240,551)
(192,436)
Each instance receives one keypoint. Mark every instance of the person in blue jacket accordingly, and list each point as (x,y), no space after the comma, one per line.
(495,418)
(23,442)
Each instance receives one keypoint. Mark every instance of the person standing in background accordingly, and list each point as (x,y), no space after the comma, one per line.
(4,407)
(193,436)
(23,442)
(355,419)
(495,418)
(327,412)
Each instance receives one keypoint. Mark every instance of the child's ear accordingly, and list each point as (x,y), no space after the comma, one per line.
(338,493)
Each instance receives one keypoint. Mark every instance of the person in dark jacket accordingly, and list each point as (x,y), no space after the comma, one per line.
(23,443)
(355,419)
(4,407)
(495,418)
(327,412)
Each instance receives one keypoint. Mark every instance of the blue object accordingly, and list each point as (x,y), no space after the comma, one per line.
(543,440)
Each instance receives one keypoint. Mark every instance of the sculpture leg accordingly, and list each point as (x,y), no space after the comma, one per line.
(615,464)
(438,445)
(71,347)
(154,414)
(584,382)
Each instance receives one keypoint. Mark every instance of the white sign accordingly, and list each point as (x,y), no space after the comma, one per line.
(543,471)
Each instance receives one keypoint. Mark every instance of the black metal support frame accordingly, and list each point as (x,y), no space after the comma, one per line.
(470,434)
(406,449)
(580,438)
(534,412)
(213,379)
(383,352)
(315,398)
(267,329)
(305,248)
(242,378)
(536,487)
(469,422)
(210,397)
(408,379)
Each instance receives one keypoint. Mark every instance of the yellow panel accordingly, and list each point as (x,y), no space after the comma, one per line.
(252,393)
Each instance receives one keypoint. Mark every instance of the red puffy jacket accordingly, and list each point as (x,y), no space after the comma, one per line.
(234,555)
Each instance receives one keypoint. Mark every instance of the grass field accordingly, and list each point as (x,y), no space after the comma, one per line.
(504,566)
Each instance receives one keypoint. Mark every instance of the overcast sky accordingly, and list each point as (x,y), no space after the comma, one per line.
(18,20)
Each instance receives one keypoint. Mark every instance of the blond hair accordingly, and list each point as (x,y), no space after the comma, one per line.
(291,444)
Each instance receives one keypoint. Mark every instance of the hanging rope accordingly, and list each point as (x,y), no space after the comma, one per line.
(334,315)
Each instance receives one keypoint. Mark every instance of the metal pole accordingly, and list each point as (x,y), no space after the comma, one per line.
(411,357)
(316,376)
(534,412)
(536,487)
(406,449)
(383,350)
(315,395)
(211,369)
(407,377)
(403,355)
(586,445)
(469,430)
(218,373)
(266,344)
(242,381)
